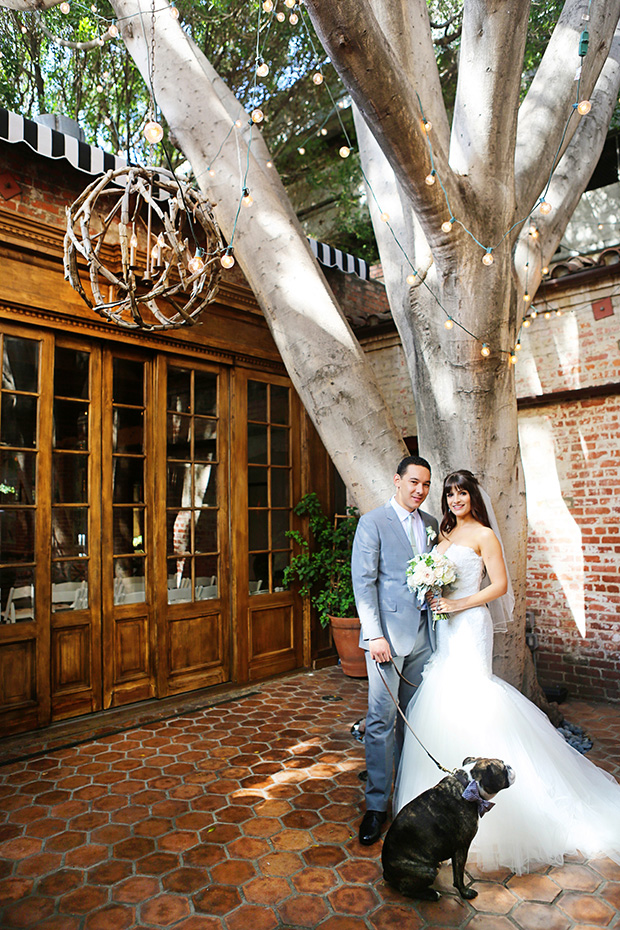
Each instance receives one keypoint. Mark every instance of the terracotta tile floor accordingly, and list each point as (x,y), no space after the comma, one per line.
(243,816)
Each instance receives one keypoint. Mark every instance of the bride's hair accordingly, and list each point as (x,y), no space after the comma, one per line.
(466,480)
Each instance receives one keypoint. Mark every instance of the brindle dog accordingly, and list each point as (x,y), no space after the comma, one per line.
(440,824)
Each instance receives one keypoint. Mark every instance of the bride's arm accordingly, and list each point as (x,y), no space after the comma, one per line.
(491,553)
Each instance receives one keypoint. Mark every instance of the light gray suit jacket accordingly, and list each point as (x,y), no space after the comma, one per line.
(386,606)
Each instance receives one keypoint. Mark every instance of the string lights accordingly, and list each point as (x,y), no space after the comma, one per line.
(153,132)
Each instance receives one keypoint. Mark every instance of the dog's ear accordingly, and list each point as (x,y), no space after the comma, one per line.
(468,760)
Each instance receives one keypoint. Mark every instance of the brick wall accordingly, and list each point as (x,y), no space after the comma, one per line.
(571,454)
(569,421)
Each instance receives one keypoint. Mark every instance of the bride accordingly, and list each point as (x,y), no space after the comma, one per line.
(561,803)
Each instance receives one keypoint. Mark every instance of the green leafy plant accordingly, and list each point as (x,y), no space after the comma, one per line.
(323,567)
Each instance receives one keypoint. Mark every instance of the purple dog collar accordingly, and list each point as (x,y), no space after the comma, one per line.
(472,793)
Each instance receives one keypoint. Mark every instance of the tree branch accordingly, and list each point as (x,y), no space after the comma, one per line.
(66,43)
(543,113)
(388,98)
(572,174)
(487,98)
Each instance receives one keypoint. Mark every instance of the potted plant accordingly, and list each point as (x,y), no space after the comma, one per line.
(323,570)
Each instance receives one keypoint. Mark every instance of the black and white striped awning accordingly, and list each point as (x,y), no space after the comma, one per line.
(334,258)
(53,144)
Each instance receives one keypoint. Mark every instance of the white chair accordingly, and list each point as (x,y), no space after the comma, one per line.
(205,592)
(134,590)
(69,595)
(14,613)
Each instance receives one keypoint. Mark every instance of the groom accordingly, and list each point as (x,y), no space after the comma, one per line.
(395,631)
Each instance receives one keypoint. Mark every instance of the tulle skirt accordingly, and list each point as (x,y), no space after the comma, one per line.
(560,804)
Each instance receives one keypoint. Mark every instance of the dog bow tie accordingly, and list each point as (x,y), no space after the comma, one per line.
(472,793)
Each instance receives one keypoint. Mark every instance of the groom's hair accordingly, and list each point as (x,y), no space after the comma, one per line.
(411,460)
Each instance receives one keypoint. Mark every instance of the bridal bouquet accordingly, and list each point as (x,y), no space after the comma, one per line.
(430,571)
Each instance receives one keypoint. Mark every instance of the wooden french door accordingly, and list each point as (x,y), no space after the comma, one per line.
(267,484)
(193,525)
(144,504)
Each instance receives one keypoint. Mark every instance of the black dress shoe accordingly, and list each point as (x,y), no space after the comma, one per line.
(370,827)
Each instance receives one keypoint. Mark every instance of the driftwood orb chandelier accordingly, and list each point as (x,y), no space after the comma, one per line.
(168,241)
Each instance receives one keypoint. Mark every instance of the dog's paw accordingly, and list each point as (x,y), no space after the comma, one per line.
(427,894)
(468,893)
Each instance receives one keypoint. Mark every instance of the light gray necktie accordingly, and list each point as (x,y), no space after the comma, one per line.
(412,536)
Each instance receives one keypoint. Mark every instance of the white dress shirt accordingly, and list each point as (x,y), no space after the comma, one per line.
(411,519)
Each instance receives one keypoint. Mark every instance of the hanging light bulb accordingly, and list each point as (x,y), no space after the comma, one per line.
(518,346)
(301,150)
(447,226)
(133,245)
(547,315)
(545,207)
(544,270)
(65,7)
(227,260)
(196,264)
(411,278)
(293,19)
(267,6)
(99,88)
(323,131)
(526,323)
(487,258)
(93,8)
(449,324)
(317,78)
(211,173)
(533,232)
(269,164)
(584,107)
(534,314)
(113,30)
(263,68)
(427,125)
(247,200)
(513,359)
(107,121)
(385,217)
(430,178)
(280,16)
(238,123)
(344,151)
(485,351)
(257,115)
(558,312)
(174,12)
(290,3)
(526,297)
(153,132)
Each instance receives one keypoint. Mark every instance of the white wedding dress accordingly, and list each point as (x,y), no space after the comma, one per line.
(560,803)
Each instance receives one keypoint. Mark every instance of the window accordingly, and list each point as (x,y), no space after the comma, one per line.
(193,548)
(19,410)
(269,484)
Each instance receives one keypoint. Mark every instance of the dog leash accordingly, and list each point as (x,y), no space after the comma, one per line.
(407,724)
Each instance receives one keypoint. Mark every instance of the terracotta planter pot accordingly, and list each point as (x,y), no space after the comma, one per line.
(346,634)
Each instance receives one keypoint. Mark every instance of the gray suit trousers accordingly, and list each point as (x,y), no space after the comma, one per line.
(384,726)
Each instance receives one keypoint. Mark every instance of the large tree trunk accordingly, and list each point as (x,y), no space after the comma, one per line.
(323,358)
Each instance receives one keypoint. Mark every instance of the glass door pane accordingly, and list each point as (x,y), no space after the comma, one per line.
(128,497)
(19,411)
(269,470)
(192,465)
(70,543)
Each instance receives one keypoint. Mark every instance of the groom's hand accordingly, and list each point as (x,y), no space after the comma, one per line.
(380,650)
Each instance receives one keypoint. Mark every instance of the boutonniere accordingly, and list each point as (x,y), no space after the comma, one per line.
(430,534)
